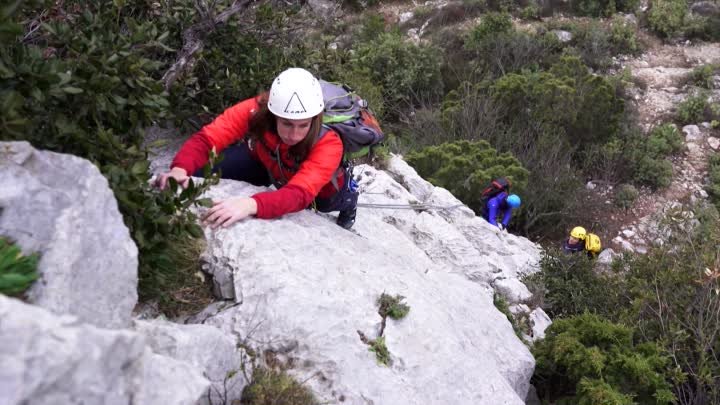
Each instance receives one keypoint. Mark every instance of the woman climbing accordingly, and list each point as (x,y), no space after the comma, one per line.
(274,138)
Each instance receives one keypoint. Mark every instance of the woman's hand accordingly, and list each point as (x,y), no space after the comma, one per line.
(226,212)
(180,175)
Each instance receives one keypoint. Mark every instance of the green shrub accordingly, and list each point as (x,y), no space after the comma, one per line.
(692,109)
(664,140)
(465,168)
(666,17)
(701,27)
(273,387)
(567,286)
(674,295)
(585,359)
(606,8)
(653,172)
(713,187)
(702,76)
(408,73)
(491,25)
(626,196)
(392,307)
(566,97)
(382,354)
(17,272)
(88,89)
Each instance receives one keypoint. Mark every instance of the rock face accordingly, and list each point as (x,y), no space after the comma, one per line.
(204,347)
(308,288)
(61,206)
(50,359)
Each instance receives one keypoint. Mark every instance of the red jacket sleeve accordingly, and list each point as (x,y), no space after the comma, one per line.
(315,172)
(227,128)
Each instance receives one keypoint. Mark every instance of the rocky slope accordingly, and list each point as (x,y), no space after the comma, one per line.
(296,292)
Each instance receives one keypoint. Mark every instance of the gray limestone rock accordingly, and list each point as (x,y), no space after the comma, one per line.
(307,287)
(206,348)
(61,206)
(46,359)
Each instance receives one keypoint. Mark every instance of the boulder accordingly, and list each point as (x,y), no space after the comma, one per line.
(705,9)
(204,347)
(62,207)
(51,359)
(513,290)
(563,36)
(607,256)
(539,322)
(692,133)
(713,142)
(306,289)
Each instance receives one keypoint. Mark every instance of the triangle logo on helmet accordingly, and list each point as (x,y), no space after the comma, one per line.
(295,106)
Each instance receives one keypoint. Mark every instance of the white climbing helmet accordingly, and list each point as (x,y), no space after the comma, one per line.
(296,94)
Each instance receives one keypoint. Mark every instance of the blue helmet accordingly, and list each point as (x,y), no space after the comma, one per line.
(513,201)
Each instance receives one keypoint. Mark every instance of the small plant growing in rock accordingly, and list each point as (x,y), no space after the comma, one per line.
(382,354)
(692,109)
(17,272)
(626,196)
(275,387)
(392,306)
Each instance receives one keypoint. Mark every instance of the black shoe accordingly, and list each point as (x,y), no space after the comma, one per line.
(346,219)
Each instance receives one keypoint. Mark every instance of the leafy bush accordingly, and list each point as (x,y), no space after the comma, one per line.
(17,272)
(606,8)
(664,140)
(408,73)
(566,285)
(674,293)
(585,359)
(666,17)
(713,187)
(596,43)
(86,85)
(702,76)
(273,387)
(392,307)
(653,172)
(566,97)
(491,25)
(692,109)
(704,28)
(465,168)
(626,196)
(382,354)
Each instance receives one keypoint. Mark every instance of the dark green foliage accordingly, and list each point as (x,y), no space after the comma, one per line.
(408,73)
(272,387)
(605,8)
(651,167)
(382,354)
(675,294)
(666,17)
(491,25)
(17,272)
(465,168)
(237,64)
(566,285)
(697,108)
(501,304)
(596,43)
(713,187)
(392,307)
(88,88)
(702,76)
(566,98)
(587,360)
(626,196)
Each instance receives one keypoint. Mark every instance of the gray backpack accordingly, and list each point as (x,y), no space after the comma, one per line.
(348,115)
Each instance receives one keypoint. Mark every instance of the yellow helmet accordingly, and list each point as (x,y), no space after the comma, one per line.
(578,233)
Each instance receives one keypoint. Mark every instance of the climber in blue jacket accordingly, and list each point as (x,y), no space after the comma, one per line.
(501,204)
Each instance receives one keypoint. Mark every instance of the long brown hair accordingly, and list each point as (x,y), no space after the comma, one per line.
(264,121)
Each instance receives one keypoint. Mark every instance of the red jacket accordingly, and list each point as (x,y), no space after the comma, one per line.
(312,179)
